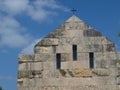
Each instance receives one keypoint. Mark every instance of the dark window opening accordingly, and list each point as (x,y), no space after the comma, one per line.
(58,61)
(91,59)
(74,52)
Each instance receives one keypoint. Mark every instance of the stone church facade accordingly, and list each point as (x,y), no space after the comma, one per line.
(73,57)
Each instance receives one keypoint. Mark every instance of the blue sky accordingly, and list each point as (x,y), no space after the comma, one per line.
(25,22)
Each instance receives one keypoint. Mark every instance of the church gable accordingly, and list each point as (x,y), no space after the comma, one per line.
(78,44)
(75,31)
(73,57)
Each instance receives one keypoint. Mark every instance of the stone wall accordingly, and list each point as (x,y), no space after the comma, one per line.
(39,71)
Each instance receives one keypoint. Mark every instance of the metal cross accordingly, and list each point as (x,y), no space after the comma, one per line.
(73,11)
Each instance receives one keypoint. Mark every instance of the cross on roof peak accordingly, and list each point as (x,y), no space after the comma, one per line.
(73,11)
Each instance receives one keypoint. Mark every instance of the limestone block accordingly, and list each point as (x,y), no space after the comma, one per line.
(110,55)
(46,74)
(106,41)
(37,66)
(21,88)
(48,42)
(118,55)
(99,56)
(49,65)
(64,48)
(80,64)
(105,80)
(26,58)
(93,40)
(25,82)
(22,74)
(22,66)
(65,56)
(92,33)
(102,64)
(101,60)
(66,65)
(78,72)
(110,80)
(118,86)
(80,48)
(60,31)
(76,25)
(101,72)
(94,47)
(75,33)
(70,65)
(64,40)
(43,49)
(74,81)
(109,47)
(118,71)
(110,87)
(118,80)
(20,82)
(25,66)
(74,64)
(30,74)
(114,71)
(83,57)
(82,72)
(45,57)
(63,72)
(113,63)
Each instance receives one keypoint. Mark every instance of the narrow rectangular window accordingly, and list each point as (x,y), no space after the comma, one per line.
(58,61)
(74,52)
(91,59)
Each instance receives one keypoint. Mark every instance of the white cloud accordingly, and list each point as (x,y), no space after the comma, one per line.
(36,9)
(43,9)
(49,3)
(13,6)
(12,33)
(37,15)
(30,48)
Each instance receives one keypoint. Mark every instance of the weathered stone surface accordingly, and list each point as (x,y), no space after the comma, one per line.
(73,65)
(22,66)
(75,23)
(110,47)
(23,58)
(78,72)
(101,72)
(58,32)
(82,72)
(48,42)
(29,74)
(63,49)
(95,47)
(43,49)
(92,33)
(44,57)
(54,67)
(65,57)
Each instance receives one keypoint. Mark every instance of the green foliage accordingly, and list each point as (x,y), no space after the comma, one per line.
(118,34)
(1,88)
